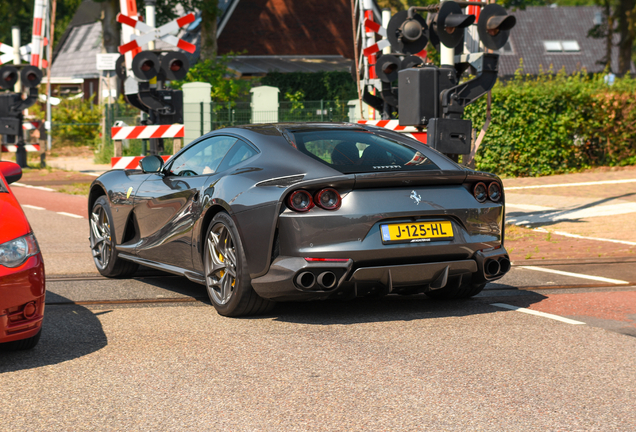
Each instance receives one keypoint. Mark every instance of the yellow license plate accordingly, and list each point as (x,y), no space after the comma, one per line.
(416,232)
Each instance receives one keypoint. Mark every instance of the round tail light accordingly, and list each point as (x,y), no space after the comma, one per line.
(300,201)
(480,192)
(328,198)
(494,191)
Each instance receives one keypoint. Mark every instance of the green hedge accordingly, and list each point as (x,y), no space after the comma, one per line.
(557,124)
(313,86)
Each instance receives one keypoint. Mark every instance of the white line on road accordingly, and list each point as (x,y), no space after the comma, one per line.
(577,275)
(33,207)
(32,187)
(565,234)
(70,214)
(537,313)
(529,207)
(572,184)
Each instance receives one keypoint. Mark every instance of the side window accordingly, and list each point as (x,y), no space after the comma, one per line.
(202,158)
(240,152)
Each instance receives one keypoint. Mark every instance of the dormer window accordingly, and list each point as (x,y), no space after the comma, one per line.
(570,46)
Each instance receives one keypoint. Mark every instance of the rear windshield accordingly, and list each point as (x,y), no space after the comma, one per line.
(355,151)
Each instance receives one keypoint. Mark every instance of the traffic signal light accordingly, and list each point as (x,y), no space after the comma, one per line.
(8,77)
(30,77)
(449,24)
(12,104)
(151,69)
(408,35)
(431,96)
(494,26)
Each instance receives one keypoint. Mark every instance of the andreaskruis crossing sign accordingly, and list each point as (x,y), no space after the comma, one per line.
(151,33)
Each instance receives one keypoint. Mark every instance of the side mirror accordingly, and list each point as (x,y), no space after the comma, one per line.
(11,171)
(151,164)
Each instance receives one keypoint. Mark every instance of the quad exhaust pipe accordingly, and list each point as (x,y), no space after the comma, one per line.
(325,280)
(306,280)
(496,267)
(504,265)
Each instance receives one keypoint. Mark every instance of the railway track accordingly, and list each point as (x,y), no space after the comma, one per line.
(198,299)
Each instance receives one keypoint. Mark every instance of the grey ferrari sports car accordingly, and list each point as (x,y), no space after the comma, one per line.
(283,212)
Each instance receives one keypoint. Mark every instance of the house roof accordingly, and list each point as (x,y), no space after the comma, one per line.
(261,65)
(538,24)
(289,27)
(76,58)
(282,35)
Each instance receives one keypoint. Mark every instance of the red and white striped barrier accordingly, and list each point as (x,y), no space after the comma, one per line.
(394,125)
(30,125)
(8,148)
(146,132)
(151,33)
(37,40)
(130,162)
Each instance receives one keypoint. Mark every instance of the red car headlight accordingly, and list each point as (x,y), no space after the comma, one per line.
(16,251)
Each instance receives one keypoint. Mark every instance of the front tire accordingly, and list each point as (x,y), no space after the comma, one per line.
(103,243)
(228,283)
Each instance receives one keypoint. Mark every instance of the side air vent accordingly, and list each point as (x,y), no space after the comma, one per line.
(282,181)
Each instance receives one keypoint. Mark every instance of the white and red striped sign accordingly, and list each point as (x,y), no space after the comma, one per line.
(146,132)
(7,53)
(8,148)
(130,162)
(373,27)
(151,33)
(394,125)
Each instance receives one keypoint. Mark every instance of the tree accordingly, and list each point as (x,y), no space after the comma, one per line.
(21,14)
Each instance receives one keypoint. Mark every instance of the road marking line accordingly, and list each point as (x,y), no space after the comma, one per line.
(33,207)
(537,313)
(577,275)
(33,187)
(572,184)
(70,214)
(530,207)
(565,234)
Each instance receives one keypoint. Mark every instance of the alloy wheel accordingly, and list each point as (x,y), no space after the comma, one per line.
(101,243)
(221,264)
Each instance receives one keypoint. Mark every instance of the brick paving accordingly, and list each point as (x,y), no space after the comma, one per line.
(527,244)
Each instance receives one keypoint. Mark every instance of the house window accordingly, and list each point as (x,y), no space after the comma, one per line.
(507,49)
(552,46)
(570,46)
(561,46)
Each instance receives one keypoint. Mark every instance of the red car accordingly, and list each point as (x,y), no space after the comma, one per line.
(22,286)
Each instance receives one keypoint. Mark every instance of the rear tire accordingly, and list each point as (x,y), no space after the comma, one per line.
(227,281)
(103,243)
(23,344)
(456,292)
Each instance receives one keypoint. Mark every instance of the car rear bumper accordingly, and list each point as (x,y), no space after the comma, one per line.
(22,290)
(294,278)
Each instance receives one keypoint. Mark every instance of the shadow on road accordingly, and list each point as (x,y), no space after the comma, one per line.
(68,332)
(391,308)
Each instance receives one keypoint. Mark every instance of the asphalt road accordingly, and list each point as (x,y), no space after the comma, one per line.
(150,353)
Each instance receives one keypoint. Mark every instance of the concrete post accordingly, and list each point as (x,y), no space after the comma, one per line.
(264,104)
(193,94)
